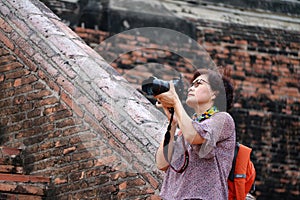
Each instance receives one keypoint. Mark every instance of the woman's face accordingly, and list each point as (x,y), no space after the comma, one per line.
(200,93)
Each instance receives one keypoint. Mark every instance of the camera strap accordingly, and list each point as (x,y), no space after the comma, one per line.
(166,148)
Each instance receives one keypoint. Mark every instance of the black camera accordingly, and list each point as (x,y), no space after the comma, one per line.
(154,86)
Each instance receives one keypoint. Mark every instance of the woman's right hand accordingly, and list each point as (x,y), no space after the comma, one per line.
(168,114)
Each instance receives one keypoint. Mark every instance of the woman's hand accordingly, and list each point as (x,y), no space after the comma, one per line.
(170,98)
(168,114)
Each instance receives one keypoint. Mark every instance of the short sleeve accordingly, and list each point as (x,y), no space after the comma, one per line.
(213,131)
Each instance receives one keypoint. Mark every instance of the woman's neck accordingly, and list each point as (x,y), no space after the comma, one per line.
(203,107)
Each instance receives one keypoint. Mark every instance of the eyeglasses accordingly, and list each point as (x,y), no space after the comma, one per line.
(198,82)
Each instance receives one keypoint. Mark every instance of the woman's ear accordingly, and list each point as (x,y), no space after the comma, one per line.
(214,95)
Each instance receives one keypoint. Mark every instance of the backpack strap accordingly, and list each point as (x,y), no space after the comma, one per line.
(236,150)
(242,160)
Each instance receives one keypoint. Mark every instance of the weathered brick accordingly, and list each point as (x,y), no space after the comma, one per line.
(73,105)
(6,187)
(29,189)
(28,197)
(22,89)
(68,150)
(19,100)
(23,178)
(34,113)
(9,151)
(6,168)
(38,95)
(5,26)
(9,66)
(65,66)
(8,43)
(152,180)
(5,61)
(18,117)
(60,181)
(46,101)
(81,155)
(65,123)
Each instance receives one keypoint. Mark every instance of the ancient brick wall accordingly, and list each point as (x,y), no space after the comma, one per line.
(76,120)
(78,123)
(14,183)
(264,66)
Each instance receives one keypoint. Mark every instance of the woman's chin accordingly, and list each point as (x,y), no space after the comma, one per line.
(190,103)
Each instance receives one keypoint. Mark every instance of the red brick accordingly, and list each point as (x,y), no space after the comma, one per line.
(10,66)
(7,187)
(68,150)
(4,52)
(153,197)
(7,42)
(19,100)
(18,117)
(24,80)
(53,109)
(40,121)
(9,151)
(81,156)
(6,85)
(23,89)
(6,60)
(34,113)
(69,101)
(5,103)
(65,123)
(118,175)
(58,181)
(38,95)
(46,101)
(153,181)
(5,26)
(29,189)
(6,168)
(14,178)
(109,160)
(28,197)
(66,84)
(123,185)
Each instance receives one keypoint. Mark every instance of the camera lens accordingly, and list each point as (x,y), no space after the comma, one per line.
(154,86)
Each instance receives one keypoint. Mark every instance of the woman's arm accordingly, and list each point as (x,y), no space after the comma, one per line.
(186,126)
(170,99)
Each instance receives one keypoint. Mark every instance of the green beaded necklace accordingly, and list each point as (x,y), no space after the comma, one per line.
(207,114)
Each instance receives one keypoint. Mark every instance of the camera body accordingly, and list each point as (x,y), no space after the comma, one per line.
(154,86)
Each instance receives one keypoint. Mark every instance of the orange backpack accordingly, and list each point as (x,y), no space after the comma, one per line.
(242,175)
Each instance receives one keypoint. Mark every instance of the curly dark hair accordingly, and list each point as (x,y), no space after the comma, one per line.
(221,85)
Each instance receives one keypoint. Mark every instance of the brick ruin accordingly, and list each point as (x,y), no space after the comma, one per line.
(84,128)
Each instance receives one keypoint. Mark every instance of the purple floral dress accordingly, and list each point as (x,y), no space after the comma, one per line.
(209,164)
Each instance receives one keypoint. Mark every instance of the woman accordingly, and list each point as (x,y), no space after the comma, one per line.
(206,141)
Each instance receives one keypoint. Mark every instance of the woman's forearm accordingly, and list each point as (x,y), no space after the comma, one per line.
(186,126)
